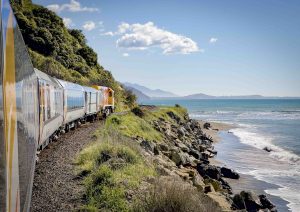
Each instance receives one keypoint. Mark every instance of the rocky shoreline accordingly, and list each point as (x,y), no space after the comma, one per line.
(188,152)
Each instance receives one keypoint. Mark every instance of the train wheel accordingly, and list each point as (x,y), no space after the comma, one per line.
(67,129)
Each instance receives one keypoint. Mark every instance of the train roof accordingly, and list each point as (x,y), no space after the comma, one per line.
(98,87)
(89,89)
(70,85)
(46,77)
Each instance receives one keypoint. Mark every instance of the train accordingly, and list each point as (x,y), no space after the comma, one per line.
(65,105)
(35,109)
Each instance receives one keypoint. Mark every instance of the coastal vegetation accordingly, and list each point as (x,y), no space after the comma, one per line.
(157,159)
(62,52)
(113,169)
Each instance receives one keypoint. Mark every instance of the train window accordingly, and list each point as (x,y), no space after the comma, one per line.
(75,99)
(93,98)
(110,94)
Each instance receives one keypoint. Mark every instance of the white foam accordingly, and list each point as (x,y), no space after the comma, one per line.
(288,194)
(259,141)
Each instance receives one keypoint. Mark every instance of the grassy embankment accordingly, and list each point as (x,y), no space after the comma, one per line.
(114,166)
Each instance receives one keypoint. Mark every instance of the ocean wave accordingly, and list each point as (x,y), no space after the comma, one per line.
(287,191)
(248,115)
(259,141)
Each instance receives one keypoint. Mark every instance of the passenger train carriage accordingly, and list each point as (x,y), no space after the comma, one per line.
(34,110)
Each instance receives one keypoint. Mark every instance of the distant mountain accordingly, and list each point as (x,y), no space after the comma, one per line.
(199,96)
(140,95)
(150,92)
(204,96)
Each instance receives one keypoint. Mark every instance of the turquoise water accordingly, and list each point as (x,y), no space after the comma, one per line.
(272,123)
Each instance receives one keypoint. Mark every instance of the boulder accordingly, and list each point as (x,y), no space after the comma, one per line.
(226,185)
(156,150)
(238,202)
(229,173)
(182,146)
(163,147)
(267,149)
(181,131)
(209,170)
(194,124)
(209,188)
(173,116)
(147,145)
(198,182)
(207,125)
(266,203)
(177,158)
(196,154)
(252,202)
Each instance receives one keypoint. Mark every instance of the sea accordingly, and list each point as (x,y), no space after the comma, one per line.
(258,124)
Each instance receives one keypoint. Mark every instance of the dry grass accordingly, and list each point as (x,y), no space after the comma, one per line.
(170,195)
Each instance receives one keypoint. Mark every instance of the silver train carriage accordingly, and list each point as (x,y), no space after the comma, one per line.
(51,108)
(73,104)
(92,103)
(19,119)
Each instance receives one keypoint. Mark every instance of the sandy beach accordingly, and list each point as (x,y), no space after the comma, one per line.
(216,127)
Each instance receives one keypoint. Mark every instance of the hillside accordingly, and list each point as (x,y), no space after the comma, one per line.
(62,52)
(140,95)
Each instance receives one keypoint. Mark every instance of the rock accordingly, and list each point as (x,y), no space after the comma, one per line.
(176,157)
(198,182)
(209,170)
(209,188)
(161,170)
(147,145)
(202,148)
(207,125)
(163,147)
(196,154)
(216,184)
(238,202)
(155,150)
(182,174)
(181,131)
(226,185)
(266,203)
(229,173)
(173,116)
(182,146)
(194,124)
(267,149)
(252,202)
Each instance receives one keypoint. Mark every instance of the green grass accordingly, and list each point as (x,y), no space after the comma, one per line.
(110,167)
(132,126)
(162,111)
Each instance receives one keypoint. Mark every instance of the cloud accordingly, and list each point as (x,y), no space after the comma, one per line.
(213,40)
(89,25)
(68,22)
(125,55)
(73,6)
(143,36)
(108,33)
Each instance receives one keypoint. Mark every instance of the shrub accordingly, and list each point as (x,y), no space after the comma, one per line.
(138,112)
(171,195)
(105,166)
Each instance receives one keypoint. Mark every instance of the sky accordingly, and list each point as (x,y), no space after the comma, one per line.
(224,47)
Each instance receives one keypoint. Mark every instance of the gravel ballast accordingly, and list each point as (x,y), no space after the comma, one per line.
(55,186)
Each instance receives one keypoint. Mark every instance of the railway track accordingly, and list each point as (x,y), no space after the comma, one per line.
(55,186)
